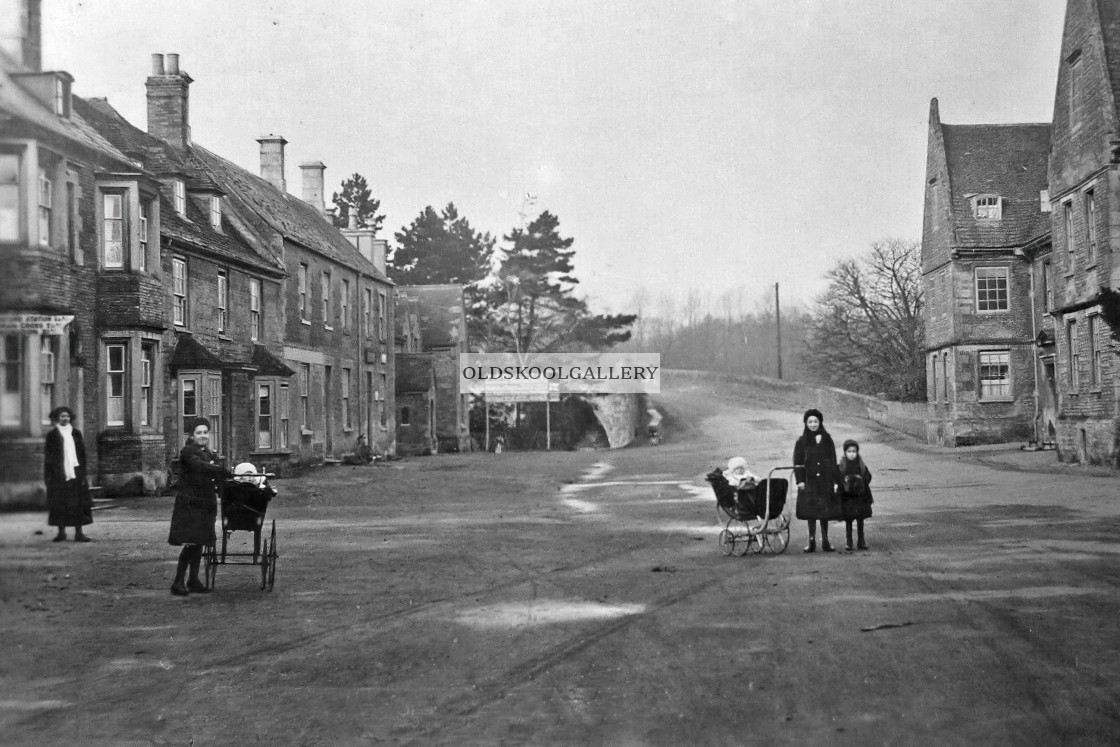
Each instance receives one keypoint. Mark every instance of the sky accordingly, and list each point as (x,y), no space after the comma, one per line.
(709,145)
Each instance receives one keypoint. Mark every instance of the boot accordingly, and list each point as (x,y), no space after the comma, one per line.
(197,587)
(80,537)
(61,536)
(179,589)
(848,544)
(825,547)
(812,546)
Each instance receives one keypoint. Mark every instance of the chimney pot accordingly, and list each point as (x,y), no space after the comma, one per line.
(172,64)
(352,220)
(157,65)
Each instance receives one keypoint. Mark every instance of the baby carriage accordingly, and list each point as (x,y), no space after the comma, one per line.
(753,517)
(244,501)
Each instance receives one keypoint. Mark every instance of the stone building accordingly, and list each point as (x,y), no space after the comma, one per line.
(985,203)
(442,321)
(79,282)
(416,404)
(1085,193)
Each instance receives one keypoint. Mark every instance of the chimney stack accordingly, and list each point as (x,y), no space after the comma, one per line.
(374,250)
(169,101)
(21,33)
(313,185)
(272,161)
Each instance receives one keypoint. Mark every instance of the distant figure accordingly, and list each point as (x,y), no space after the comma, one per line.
(64,471)
(654,428)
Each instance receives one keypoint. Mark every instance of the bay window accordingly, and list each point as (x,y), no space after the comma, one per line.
(115,381)
(254,309)
(9,197)
(223,300)
(179,291)
(48,371)
(46,207)
(112,230)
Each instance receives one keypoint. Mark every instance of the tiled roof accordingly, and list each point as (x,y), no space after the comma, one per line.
(189,353)
(284,213)
(15,102)
(164,160)
(442,313)
(1110,30)
(414,371)
(268,364)
(1005,160)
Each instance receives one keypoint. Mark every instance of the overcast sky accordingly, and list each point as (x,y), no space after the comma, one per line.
(703,143)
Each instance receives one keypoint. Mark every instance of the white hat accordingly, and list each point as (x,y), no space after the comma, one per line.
(246,468)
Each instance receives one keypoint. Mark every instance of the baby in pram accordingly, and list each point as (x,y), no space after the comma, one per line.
(734,488)
(247,493)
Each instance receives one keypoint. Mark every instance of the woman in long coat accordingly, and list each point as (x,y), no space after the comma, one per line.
(64,471)
(196,507)
(814,459)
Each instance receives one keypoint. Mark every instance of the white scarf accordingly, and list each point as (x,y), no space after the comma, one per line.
(69,452)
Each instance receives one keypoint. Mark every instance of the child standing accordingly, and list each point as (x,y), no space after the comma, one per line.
(855,492)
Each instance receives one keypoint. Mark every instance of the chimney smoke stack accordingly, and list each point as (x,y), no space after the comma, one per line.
(313,192)
(21,34)
(169,113)
(157,65)
(173,64)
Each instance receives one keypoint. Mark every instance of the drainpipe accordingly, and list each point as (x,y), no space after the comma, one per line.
(1034,355)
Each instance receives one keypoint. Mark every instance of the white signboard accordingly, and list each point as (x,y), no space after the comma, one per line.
(34,324)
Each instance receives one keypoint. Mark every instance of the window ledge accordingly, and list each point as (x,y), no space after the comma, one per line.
(328,327)
(305,321)
(996,400)
(224,338)
(274,452)
(306,432)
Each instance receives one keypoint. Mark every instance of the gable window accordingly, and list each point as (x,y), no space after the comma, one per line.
(995,375)
(1073,377)
(254,309)
(987,207)
(1069,235)
(61,97)
(142,253)
(1091,224)
(9,197)
(46,204)
(1094,350)
(11,381)
(223,300)
(344,304)
(216,211)
(115,382)
(1074,87)
(326,283)
(991,289)
(303,291)
(112,230)
(179,290)
(180,192)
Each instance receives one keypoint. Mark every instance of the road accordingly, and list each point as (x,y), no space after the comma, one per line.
(580,597)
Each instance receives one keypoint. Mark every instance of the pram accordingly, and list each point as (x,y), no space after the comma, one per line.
(244,502)
(753,517)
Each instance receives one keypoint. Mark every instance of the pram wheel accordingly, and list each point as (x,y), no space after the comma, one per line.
(752,543)
(778,541)
(726,542)
(268,561)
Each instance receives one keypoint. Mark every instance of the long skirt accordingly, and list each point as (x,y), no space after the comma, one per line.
(69,504)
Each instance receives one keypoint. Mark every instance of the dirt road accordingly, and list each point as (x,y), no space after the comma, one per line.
(581,598)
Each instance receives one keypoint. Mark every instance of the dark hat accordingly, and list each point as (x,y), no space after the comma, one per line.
(811,412)
(850,442)
(57,411)
(197,422)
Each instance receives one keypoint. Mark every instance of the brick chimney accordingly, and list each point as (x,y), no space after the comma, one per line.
(169,101)
(313,185)
(272,161)
(21,32)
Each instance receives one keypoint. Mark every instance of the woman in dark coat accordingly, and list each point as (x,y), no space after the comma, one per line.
(64,471)
(196,507)
(855,491)
(814,459)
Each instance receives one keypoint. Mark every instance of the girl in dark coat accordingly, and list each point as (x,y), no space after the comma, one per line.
(196,507)
(64,471)
(814,459)
(855,491)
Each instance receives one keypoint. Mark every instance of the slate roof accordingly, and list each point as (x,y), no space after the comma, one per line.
(415,372)
(442,314)
(268,364)
(163,160)
(17,103)
(284,213)
(1006,160)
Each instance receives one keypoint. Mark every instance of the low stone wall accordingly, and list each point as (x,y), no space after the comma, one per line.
(907,417)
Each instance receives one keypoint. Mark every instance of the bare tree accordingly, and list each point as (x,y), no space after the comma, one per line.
(866,330)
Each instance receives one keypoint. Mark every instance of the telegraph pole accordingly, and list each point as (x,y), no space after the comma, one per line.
(778,317)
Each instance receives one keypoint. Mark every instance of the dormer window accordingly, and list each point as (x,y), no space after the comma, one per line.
(216,211)
(62,96)
(180,197)
(987,207)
